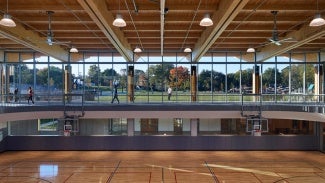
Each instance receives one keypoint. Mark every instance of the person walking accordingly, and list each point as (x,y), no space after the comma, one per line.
(30,94)
(115,95)
(16,95)
(169,92)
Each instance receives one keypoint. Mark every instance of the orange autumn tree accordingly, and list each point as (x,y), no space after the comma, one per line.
(179,77)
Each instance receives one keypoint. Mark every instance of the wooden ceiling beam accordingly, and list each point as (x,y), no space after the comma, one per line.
(228,10)
(32,40)
(97,10)
(304,35)
(285,6)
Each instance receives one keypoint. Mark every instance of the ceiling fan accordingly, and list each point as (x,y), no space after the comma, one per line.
(275,36)
(49,39)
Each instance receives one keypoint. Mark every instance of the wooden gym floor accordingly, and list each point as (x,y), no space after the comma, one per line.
(162,166)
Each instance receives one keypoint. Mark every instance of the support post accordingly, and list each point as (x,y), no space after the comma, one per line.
(67,82)
(131,84)
(130,123)
(193,84)
(194,127)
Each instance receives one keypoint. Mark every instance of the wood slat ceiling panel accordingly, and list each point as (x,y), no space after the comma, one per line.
(252,26)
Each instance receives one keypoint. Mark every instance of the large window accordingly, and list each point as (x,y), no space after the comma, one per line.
(220,77)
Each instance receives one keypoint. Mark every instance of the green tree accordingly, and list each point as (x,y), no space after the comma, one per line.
(247,77)
(159,75)
(310,75)
(107,77)
(55,80)
(26,74)
(204,81)
(269,77)
(232,82)
(93,74)
(285,76)
(297,71)
(140,78)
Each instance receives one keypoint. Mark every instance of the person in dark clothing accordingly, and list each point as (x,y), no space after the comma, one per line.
(30,95)
(115,93)
(16,94)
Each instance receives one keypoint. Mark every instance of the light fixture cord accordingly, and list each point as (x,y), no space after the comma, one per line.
(7,7)
(249,15)
(189,28)
(119,8)
(135,28)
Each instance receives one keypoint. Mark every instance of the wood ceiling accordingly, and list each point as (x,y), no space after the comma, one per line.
(162,26)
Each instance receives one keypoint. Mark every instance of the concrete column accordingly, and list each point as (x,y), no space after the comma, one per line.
(131,84)
(130,123)
(193,84)
(194,127)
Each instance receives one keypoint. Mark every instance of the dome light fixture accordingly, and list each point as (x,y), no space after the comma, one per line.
(6,20)
(206,21)
(187,50)
(137,50)
(250,50)
(119,21)
(73,50)
(318,20)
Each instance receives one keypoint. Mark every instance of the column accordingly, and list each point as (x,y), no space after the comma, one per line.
(2,78)
(256,83)
(193,83)
(5,89)
(130,123)
(131,84)
(318,82)
(2,56)
(256,80)
(67,82)
(322,136)
(194,127)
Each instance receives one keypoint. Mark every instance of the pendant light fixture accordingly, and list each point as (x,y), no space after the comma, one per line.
(187,50)
(119,21)
(6,20)
(206,21)
(250,50)
(318,20)
(73,50)
(137,50)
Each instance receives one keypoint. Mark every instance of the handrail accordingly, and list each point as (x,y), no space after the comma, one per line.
(73,102)
(212,98)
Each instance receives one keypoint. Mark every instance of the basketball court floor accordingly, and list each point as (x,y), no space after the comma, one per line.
(162,166)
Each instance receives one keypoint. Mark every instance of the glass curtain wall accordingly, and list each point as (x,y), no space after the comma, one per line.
(221,77)
(180,77)
(283,78)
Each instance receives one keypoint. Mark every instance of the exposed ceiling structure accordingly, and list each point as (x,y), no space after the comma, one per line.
(162,26)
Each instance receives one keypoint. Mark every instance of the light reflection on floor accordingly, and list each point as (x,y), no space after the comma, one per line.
(162,166)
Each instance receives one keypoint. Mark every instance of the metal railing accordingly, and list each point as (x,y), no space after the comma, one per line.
(95,99)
